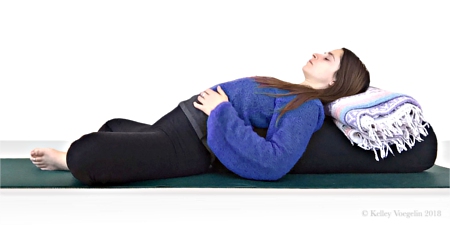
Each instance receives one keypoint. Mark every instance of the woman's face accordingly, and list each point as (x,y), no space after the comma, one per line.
(320,69)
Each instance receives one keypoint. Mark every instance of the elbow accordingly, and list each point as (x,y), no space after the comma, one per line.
(273,171)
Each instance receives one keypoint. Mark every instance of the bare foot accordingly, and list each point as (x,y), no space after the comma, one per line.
(49,159)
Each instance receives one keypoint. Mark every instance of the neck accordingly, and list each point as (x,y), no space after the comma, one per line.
(312,84)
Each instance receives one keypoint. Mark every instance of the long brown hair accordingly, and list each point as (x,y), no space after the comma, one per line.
(352,78)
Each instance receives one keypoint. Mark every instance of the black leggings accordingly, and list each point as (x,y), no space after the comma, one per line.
(126,151)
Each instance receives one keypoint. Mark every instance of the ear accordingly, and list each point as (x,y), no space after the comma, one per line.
(333,80)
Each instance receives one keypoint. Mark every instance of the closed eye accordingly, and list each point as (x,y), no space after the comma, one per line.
(325,53)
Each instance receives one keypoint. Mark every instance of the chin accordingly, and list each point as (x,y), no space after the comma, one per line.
(304,69)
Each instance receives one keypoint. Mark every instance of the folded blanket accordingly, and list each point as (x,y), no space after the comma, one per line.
(378,119)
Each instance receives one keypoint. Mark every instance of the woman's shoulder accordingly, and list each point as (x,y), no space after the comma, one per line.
(316,107)
(311,107)
(283,100)
(315,102)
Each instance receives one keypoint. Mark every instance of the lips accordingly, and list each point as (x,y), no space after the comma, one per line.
(310,62)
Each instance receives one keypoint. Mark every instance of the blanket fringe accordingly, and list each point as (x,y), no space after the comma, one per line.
(403,129)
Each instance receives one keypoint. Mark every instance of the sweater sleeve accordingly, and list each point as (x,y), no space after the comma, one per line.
(250,156)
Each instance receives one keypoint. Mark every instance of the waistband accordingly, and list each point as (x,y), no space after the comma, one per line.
(198,120)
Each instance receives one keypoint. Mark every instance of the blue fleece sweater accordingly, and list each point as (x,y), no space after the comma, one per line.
(231,137)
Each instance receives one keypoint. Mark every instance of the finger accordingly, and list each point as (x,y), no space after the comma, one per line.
(198,106)
(210,91)
(201,99)
(220,91)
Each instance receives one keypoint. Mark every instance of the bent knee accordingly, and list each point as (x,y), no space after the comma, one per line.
(81,157)
(108,125)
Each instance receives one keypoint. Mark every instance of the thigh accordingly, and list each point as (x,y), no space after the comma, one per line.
(168,121)
(124,125)
(164,151)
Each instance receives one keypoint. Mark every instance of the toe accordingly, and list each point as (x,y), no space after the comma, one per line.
(35,159)
(42,167)
(38,152)
(38,159)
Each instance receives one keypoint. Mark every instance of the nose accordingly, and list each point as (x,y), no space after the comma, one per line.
(317,55)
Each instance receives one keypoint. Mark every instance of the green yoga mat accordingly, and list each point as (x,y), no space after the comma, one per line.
(21,173)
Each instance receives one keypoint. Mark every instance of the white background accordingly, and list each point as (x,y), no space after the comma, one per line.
(68,66)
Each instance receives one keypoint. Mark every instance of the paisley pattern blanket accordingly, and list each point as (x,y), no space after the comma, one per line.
(378,119)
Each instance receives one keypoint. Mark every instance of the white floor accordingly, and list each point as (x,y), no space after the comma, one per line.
(223,206)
